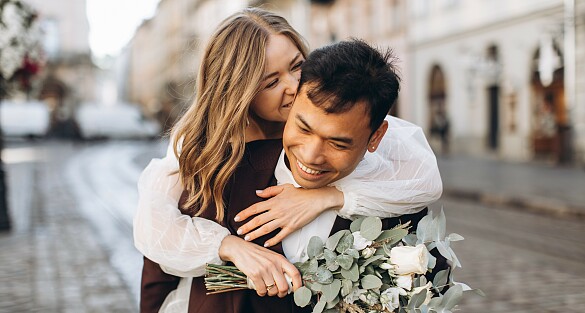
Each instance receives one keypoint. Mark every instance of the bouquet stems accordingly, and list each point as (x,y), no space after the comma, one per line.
(224,278)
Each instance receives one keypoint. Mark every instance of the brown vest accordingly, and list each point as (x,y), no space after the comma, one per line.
(255,172)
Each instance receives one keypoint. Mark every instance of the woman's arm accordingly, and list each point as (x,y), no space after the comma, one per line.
(401,177)
(181,245)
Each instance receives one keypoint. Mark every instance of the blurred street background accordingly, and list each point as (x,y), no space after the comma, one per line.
(89,88)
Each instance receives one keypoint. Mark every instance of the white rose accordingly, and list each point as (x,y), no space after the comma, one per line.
(390,298)
(360,242)
(404,282)
(419,289)
(409,260)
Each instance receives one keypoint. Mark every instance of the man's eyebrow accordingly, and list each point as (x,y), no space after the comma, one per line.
(276,73)
(345,140)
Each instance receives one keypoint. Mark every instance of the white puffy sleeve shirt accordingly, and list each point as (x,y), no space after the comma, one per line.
(400,177)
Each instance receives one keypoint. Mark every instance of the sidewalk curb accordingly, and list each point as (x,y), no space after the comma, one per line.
(537,205)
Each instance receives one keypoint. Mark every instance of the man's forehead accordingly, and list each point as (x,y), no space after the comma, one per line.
(349,124)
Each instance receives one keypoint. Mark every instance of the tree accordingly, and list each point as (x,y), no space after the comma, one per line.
(20,61)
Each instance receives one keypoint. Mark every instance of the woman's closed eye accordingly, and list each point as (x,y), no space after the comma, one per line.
(297,66)
(272,84)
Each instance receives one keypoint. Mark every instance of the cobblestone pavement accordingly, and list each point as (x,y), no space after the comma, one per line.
(525,263)
(51,261)
(55,261)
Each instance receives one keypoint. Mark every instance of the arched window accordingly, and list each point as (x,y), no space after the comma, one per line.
(439,120)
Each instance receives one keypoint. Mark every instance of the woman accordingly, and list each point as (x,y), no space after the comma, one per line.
(246,85)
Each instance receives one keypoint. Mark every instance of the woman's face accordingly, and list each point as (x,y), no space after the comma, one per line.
(280,81)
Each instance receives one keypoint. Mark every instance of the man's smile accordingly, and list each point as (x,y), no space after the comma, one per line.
(308,170)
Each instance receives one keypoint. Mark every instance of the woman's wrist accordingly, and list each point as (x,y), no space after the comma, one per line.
(333,199)
(226,247)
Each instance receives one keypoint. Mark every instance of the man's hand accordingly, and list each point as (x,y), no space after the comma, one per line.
(288,208)
(264,267)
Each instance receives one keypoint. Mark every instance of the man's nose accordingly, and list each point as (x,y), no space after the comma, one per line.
(313,152)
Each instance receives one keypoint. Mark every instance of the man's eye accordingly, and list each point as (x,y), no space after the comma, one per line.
(339,147)
(304,130)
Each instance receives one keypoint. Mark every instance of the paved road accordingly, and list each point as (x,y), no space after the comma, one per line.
(523,262)
(71,249)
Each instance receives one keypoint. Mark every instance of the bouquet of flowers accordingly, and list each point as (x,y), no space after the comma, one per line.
(367,269)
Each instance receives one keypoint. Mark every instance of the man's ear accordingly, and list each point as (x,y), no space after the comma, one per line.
(377,136)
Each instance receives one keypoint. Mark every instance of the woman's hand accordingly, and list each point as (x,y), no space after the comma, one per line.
(289,209)
(264,267)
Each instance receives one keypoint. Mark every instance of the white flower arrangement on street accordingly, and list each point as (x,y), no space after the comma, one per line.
(367,269)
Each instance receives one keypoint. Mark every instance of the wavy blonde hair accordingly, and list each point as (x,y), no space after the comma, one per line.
(209,138)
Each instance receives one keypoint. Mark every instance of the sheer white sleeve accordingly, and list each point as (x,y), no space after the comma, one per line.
(400,177)
(181,245)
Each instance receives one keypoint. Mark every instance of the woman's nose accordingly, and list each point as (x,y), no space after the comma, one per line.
(292,83)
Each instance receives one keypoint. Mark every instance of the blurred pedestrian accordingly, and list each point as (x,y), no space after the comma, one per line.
(247,82)
(440,127)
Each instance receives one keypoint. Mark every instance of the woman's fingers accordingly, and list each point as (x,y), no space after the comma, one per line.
(256,222)
(265,229)
(293,273)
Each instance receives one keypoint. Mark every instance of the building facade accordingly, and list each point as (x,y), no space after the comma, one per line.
(497,71)
(498,78)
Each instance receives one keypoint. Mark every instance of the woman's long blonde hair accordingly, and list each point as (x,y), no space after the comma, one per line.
(209,138)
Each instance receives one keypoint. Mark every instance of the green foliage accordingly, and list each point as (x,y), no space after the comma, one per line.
(337,274)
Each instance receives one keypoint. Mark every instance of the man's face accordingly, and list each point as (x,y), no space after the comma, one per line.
(323,148)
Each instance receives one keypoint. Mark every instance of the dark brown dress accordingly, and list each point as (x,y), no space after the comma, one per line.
(255,172)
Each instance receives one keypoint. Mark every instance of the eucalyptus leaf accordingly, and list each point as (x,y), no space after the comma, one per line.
(455,237)
(345,261)
(423,227)
(392,236)
(452,297)
(353,253)
(320,305)
(418,299)
(441,278)
(331,260)
(444,251)
(345,242)
(313,266)
(411,240)
(454,258)
(435,302)
(351,274)
(323,275)
(302,296)
(329,255)
(314,286)
(332,241)
(371,228)
(441,224)
(371,282)
(315,247)
(432,261)
(331,304)
(330,291)
(356,224)
(372,259)
(346,287)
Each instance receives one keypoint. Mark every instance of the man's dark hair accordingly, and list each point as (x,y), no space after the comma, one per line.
(340,75)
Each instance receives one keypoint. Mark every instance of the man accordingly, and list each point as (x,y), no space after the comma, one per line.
(344,95)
